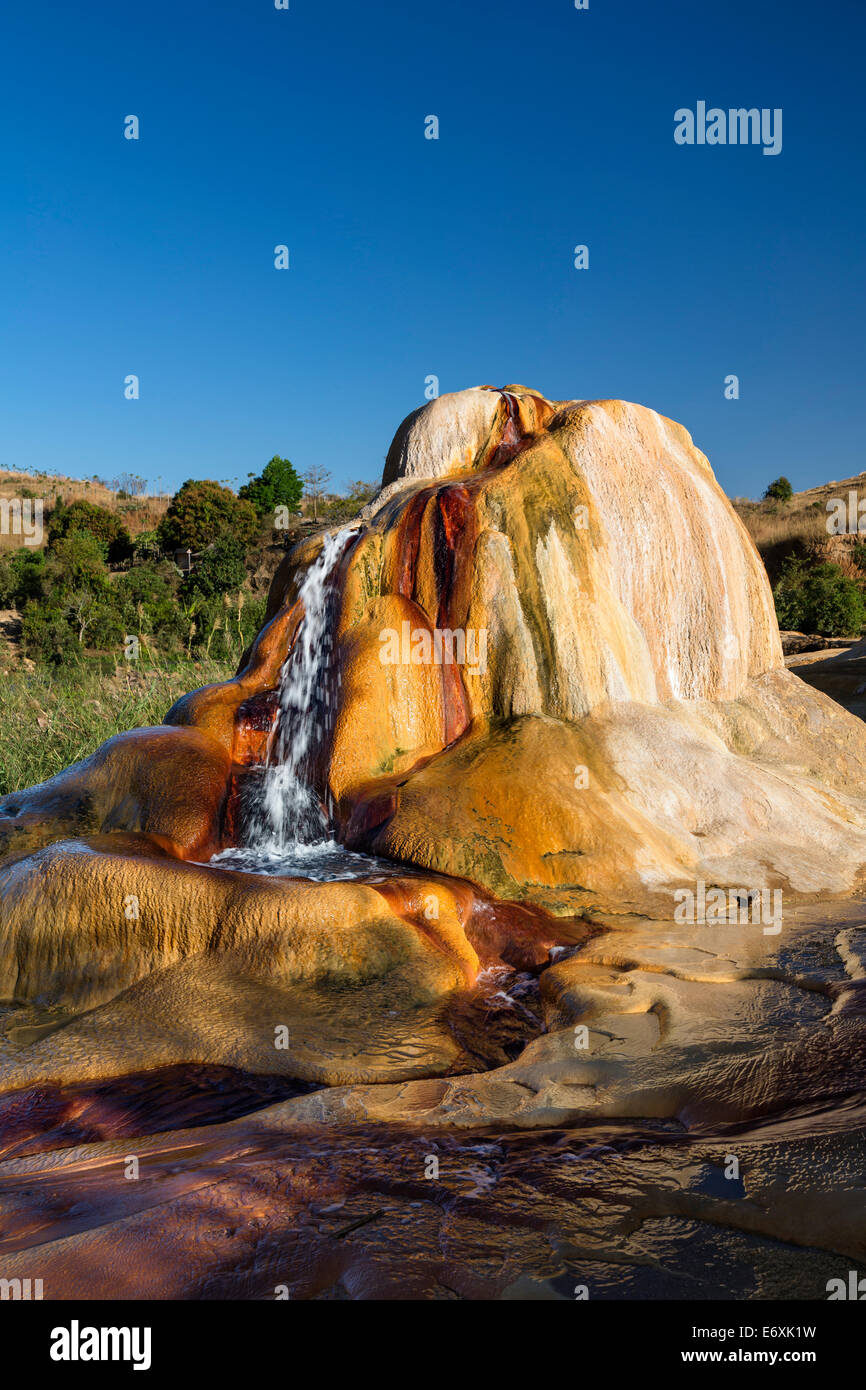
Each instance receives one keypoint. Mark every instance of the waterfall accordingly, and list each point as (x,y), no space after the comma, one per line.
(286,829)
(287,812)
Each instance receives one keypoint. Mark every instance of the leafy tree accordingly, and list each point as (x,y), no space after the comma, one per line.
(46,634)
(220,569)
(21,575)
(780,490)
(818,599)
(147,598)
(96,521)
(202,512)
(75,562)
(278,485)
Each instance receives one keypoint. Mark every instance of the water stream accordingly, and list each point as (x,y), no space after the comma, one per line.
(286,827)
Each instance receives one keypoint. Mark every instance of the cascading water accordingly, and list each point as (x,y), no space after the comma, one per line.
(286,828)
(290,813)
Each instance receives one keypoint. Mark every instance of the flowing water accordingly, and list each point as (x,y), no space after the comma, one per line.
(287,829)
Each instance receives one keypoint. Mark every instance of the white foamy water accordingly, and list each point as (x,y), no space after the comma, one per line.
(286,816)
(286,831)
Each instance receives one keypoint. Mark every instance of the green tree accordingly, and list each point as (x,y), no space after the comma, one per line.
(46,634)
(75,562)
(220,569)
(819,599)
(780,490)
(278,485)
(96,521)
(21,575)
(202,512)
(147,597)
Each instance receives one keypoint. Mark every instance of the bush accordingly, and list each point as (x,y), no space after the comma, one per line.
(226,625)
(21,575)
(202,512)
(278,485)
(75,562)
(819,599)
(96,521)
(46,634)
(147,598)
(220,569)
(780,489)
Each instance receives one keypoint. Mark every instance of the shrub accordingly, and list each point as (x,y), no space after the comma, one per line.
(46,634)
(21,575)
(780,489)
(819,599)
(147,598)
(220,569)
(74,562)
(278,485)
(202,512)
(103,525)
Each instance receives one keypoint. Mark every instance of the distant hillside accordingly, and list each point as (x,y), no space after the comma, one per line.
(780,529)
(138,513)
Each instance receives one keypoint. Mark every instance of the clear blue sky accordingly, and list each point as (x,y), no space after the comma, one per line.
(412,256)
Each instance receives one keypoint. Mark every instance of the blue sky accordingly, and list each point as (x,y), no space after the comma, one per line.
(412,257)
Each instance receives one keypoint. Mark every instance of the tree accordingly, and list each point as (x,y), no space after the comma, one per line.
(202,512)
(75,563)
(219,570)
(98,522)
(818,599)
(131,484)
(278,485)
(780,490)
(315,480)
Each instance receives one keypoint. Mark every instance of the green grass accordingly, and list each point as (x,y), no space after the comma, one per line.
(51,717)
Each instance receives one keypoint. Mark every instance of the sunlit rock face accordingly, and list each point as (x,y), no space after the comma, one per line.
(621,720)
(618,725)
(556,675)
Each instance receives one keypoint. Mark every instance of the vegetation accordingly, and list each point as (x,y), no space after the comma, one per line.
(200,512)
(102,631)
(278,485)
(818,576)
(98,522)
(820,599)
(51,718)
(780,489)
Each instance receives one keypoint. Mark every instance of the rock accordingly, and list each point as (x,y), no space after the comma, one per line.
(616,725)
(167,784)
(607,716)
(795,643)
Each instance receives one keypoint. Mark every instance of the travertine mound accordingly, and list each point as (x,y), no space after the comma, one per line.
(626,723)
(618,722)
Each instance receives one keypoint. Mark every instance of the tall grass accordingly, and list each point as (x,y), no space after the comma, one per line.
(51,717)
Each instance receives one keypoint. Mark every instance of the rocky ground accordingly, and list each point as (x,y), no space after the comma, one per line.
(708,1140)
